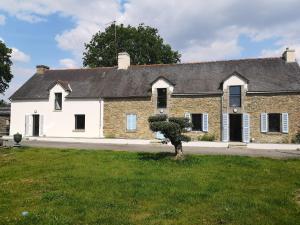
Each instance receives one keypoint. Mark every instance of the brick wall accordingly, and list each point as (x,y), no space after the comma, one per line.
(115,111)
(4,128)
(255,105)
(206,104)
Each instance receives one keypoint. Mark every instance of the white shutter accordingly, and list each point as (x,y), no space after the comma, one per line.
(205,122)
(27,125)
(225,127)
(285,123)
(264,122)
(188,115)
(159,135)
(246,128)
(41,125)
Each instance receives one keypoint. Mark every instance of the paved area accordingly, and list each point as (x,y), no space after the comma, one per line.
(165,148)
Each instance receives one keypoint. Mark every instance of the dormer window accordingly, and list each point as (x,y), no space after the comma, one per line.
(235,96)
(161,98)
(58,101)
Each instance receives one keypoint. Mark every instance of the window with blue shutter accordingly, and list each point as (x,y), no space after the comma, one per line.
(131,122)
(264,122)
(205,122)
(285,122)
(225,127)
(246,128)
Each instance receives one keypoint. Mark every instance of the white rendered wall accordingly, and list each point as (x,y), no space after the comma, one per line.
(162,83)
(58,123)
(234,81)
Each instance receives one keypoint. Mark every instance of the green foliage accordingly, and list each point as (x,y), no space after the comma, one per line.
(171,128)
(296,139)
(142,43)
(5,67)
(3,103)
(207,137)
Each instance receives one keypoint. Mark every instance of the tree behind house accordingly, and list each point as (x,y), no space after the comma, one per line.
(5,67)
(142,43)
(172,128)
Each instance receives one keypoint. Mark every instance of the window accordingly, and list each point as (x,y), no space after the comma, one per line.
(235,96)
(79,122)
(161,97)
(131,122)
(58,101)
(274,122)
(197,122)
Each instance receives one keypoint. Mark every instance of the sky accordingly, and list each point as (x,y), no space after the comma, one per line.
(53,32)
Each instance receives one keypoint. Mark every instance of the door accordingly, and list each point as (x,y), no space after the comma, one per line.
(235,127)
(36,125)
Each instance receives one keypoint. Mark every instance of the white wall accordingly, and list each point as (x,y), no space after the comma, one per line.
(162,83)
(234,81)
(58,123)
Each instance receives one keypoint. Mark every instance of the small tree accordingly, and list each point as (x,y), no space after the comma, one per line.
(172,128)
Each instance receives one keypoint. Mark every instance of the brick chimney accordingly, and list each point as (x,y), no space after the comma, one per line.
(40,69)
(289,55)
(123,61)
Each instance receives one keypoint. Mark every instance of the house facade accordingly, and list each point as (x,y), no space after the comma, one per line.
(249,100)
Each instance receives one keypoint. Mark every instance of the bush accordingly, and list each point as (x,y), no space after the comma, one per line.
(296,139)
(207,137)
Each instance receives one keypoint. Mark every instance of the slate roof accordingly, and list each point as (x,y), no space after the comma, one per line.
(264,75)
(5,110)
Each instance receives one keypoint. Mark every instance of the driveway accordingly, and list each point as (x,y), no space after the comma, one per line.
(164,148)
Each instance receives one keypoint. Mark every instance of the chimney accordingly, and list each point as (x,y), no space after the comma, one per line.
(123,61)
(289,55)
(40,69)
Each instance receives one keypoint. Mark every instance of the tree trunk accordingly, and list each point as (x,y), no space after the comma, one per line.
(178,151)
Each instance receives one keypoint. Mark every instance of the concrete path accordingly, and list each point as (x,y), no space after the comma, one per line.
(164,148)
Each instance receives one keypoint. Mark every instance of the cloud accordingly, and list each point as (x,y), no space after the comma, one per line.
(199,29)
(21,74)
(2,19)
(19,56)
(68,63)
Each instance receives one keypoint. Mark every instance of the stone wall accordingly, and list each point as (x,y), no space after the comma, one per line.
(115,111)
(255,105)
(4,127)
(205,104)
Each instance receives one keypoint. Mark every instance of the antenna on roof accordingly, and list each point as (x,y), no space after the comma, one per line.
(115,26)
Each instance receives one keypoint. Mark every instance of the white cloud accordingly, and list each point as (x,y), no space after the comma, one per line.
(68,63)
(19,56)
(21,74)
(199,29)
(2,19)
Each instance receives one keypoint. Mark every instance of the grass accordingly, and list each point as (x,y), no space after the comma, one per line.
(104,187)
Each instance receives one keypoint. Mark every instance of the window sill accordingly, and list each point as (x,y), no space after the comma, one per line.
(131,131)
(57,110)
(79,130)
(274,133)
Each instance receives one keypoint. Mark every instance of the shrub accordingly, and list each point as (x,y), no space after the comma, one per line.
(207,137)
(296,139)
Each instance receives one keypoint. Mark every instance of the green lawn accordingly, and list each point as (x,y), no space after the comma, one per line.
(104,187)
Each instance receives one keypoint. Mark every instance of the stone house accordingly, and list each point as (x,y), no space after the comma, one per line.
(243,100)
(4,120)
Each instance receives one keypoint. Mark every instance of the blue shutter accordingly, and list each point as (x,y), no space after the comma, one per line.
(246,128)
(285,123)
(159,135)
(205,122)
(264,123)
(131,122)
(225,127)
(188,115)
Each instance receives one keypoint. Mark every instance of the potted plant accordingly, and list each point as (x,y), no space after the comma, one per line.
(17,139)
